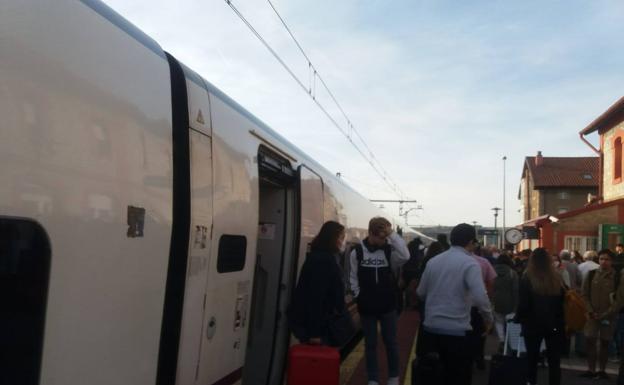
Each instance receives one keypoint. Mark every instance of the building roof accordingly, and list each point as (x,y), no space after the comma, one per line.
(564,171)
(608,119)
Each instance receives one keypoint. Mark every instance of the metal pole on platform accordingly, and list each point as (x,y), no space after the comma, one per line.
(496,210)
(504,207)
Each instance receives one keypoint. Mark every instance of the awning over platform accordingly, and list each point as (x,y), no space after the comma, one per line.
(539,221)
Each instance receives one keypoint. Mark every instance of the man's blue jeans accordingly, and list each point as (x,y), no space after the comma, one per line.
(388,323)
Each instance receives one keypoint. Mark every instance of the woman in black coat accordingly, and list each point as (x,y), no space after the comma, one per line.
(320,292)
(540,311)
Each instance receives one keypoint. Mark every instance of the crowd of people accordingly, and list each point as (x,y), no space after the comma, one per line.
(463,292)
(529,287)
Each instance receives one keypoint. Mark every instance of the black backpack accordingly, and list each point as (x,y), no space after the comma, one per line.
(359,252)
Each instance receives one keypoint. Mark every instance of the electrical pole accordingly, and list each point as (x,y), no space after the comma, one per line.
(498,239)
(419,207)
(504,207)
(474,224)
(400,202)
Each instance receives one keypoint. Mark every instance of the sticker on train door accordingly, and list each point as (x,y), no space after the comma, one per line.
(240,310)
(136,222)
(238,313)
(201,237)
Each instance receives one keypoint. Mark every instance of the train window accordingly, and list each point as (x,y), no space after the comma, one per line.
(24,272)
(232,250)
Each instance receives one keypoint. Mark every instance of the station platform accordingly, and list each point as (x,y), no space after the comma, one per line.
(353,368)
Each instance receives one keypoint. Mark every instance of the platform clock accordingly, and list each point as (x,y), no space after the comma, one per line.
(513,236)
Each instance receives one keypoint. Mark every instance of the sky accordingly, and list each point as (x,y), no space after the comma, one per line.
(440,90)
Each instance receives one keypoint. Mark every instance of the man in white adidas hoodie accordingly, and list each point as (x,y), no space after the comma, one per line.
(373,281)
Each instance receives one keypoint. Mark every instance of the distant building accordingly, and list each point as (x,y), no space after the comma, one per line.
(433,231)
(485,235)
(552,186)
(600,223)
(555,185)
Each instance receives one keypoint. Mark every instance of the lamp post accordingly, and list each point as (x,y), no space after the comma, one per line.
(496,210)
(504,207)
(474,224)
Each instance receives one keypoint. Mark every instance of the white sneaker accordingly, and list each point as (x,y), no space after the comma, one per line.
(393,381)
(373,383)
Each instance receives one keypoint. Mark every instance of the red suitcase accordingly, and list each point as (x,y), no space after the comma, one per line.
(313,365)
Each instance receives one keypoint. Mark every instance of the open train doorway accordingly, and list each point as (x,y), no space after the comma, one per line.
(268,339)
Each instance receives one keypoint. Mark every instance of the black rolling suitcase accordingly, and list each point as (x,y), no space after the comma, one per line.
(508,369)
(427,370)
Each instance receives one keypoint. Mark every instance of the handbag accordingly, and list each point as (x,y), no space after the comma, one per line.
(340,328)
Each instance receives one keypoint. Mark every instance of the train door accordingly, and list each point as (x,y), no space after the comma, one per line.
(198,259)
(267,340)
(309,220)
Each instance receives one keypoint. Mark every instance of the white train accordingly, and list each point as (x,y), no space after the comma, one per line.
(151,229)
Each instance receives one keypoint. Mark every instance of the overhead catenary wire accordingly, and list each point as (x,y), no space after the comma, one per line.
(365,152)
(344,114)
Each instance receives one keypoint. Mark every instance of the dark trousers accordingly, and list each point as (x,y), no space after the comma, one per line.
(554,341)
(565,346)
(455,356)
(619,335)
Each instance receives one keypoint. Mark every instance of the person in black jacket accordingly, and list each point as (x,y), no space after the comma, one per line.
(320,290)
(540,311)
(373,279)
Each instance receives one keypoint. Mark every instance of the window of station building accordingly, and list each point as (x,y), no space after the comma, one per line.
(232,250)
(580,243)
(24,273)
(617,160)
(573,243)
(563,195)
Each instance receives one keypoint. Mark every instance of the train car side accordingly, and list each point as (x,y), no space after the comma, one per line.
(85,151)
(158,225)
